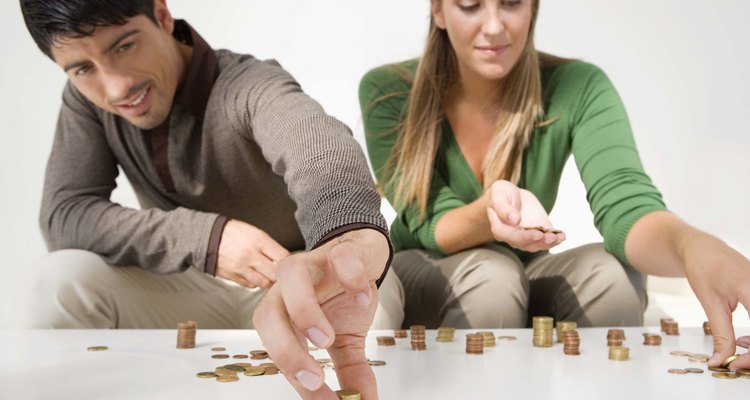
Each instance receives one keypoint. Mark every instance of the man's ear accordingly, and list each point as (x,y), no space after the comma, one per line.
(437,13)
(163,16)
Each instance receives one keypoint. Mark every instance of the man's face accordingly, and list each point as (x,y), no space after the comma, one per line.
(131,70)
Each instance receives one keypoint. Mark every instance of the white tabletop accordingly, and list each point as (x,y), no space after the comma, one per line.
(144,364)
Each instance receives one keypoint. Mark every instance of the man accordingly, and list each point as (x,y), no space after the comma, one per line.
(234,167)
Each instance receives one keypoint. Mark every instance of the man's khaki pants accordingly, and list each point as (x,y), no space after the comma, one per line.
(77,289)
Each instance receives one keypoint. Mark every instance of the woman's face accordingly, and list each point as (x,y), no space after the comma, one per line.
(488,36)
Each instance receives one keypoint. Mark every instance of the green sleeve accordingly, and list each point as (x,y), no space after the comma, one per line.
(383,96)
(618,190)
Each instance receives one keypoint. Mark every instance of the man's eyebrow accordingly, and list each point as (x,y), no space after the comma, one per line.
(114,44)
(120,39)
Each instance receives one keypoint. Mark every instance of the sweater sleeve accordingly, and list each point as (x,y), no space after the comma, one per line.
(76,210)
(618,190)
(383,99)
(322,165)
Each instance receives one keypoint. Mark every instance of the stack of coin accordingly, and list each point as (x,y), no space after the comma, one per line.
(615,337)
(418,337)
(564,326)
(489,338)
(619,353)
(345,394)
(663,323)
(671,328)
(707,328)
(399,333)
(571,343)
(474,343)
(445,334)
(386,341)
(542,331)
(186,334)
(652,339)
(258,354)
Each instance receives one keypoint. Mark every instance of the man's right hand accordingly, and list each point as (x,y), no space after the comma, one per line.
(511,209)
(248,256)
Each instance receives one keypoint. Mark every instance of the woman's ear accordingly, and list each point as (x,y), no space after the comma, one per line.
(437,13)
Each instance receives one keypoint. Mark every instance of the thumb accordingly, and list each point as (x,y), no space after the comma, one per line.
(505,201)
(720,320)
(349,266)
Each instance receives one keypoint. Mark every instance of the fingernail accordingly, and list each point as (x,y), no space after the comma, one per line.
(317,336)
(363,298)
(744,342)
(308,379)
(513,217)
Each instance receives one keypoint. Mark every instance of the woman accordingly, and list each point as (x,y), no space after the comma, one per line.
(469,143)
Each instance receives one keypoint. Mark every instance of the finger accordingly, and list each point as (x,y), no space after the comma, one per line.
(237,278)
(252,279)
(266,267)
(349,266)
(275,329)
(352,368)
(743,362)
(720,320)
(510,234)
(743,341)
(273,250)
(298,292)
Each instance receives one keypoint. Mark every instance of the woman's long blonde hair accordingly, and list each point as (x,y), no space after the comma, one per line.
(412,162)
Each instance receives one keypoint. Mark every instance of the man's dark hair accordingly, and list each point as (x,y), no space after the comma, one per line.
(50,20)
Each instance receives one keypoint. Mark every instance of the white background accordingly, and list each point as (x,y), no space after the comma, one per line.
(680,66)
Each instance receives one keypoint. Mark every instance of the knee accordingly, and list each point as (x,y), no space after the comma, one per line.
(494,273)
(54,285)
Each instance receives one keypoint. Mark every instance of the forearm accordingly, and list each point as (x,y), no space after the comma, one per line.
(158,240)
(464,227)
(657,242)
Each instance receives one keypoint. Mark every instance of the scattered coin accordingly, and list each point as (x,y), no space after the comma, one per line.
(228,378)
(694,370)
(220,356)
(218,349)
(376,363)
(724,375)
(234,368)
(718,369)
(680,353)
(97,348)
(206,375)
(254,371)
(240,356)
(678,371)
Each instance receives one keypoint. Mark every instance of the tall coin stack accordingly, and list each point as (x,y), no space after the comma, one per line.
(542,331)
(445,334)
(489,338)
(619,353)
(707,328)
(652,339)
(474,343)
(571,343)
(664,323)
(615,337)
(418,338)
(564,326)
(186,334)
(671,328)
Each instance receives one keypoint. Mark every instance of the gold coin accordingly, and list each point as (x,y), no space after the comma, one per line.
(228,378)
(218,349)
(376,363)
(678,371)
(346,394)
(219,356)
(743,372)
(729,360)
(221,371)
(507,338)
(718,369)
(254,371)
(724,375)
(698,359)
(240,356)
(97,348)
(206,375)
(694,370)
(680,353)
(272,370)
(244,364)
(234,368)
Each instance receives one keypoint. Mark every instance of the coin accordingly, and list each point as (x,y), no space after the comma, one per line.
(680,353)
(218,349)
(240,356)
(729,360)
(97,348)
(221,371)
(229,378)
(254,371)
(724,375)
(678,371)
(235,368)
(206,375)
(376,363)
(694,370)
(346,394)
(507,338)
(220,356)
(718,369)
(743,372)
